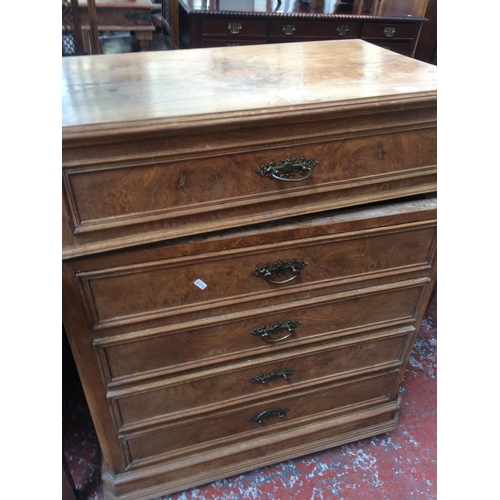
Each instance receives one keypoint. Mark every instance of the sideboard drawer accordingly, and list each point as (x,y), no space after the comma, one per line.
(233,27)
(212,428)
(389,31)
(292,28)
(400,47)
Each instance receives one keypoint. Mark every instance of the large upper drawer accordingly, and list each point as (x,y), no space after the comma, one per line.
(214,188)
(108,196)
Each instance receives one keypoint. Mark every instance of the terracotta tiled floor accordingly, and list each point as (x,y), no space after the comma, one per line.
(400,465)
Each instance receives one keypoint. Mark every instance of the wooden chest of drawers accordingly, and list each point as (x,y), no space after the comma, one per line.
(247,251)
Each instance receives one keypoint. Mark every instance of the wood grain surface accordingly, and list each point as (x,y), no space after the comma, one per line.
(189,85)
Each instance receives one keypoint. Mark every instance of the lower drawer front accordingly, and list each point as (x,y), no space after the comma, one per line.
(240,383)
(321,319)
(219,429)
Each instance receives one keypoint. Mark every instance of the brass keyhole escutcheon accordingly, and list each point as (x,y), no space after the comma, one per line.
(288,29)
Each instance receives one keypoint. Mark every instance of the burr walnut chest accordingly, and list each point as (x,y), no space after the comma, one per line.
(249,240)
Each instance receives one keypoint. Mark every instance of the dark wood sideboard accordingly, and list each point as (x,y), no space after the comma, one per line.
(215,23)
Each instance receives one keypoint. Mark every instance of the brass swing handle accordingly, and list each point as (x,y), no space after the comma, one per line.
(266,332)
(272,412)
(279,269)
(264,378)
(389,32)
(234,28)
(288,168)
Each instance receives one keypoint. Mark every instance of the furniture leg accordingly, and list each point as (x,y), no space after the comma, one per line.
(144,38)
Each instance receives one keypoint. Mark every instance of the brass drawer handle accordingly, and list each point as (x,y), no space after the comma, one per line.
(278,269)
(288,168)
(389,32)
(288,29)
(342,29)
(234,28)
(266,332)
(264,378)
(272,412)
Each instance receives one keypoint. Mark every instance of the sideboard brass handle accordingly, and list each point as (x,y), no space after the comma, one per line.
(288,29)
(266,332)
(389,32)
(278,269)
(264,378)
(272,412)
(288,168)
(234,28)
(342,29)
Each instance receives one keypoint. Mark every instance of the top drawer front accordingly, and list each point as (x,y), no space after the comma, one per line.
(390,31)
(233,27)
(129,194)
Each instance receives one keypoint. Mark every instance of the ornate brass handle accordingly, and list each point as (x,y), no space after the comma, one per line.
(266,332)
(234,28)
(288,29)
(389,32)
(278,269)
(264,378)
(272,412)
(288,168)
(342,29)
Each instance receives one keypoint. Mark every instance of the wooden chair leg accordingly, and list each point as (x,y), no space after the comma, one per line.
(174,23)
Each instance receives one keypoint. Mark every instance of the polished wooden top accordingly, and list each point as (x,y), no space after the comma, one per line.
(160,90)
